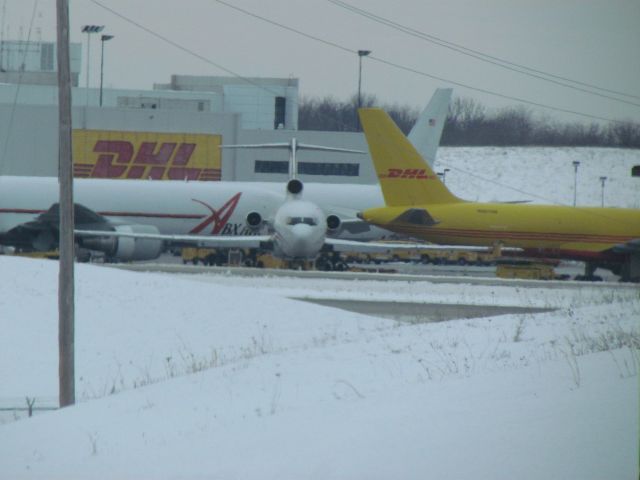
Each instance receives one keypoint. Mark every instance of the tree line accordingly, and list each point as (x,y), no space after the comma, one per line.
(469,123)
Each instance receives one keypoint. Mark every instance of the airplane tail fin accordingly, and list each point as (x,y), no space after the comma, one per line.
(425,134)
(405,178)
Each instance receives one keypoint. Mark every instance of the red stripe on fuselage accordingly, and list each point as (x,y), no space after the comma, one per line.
(23,211)
(181,216)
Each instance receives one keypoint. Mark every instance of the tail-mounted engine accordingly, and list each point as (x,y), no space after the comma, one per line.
(294,187)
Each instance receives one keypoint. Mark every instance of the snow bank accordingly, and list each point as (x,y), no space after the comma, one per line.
(231,379)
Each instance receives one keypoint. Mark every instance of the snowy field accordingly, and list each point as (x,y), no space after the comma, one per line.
(226,377)
(219,376)
(542,175)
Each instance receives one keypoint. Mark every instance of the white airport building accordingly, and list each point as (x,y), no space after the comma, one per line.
(234,110)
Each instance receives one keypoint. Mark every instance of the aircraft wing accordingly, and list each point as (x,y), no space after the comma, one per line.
(349,220)
(341,245)
(228,241)
(42,232)
(355,226)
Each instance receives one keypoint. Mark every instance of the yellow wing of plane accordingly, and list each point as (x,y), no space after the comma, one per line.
(418,204)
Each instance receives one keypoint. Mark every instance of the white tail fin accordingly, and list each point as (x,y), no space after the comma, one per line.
(425,134)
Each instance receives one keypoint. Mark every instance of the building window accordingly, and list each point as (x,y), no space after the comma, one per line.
(46,57)
(309,168)
(635,171)
(268,166)
(337,169)
(280,109)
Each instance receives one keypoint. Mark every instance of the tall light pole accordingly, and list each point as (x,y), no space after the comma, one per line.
(576,164)
(602,181)
(444,175)
(361,53)
(89,29)
(103,38)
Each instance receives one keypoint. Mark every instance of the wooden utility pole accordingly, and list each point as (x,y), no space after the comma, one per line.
(66,245)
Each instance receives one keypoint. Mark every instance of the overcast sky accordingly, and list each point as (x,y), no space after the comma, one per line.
(593,41)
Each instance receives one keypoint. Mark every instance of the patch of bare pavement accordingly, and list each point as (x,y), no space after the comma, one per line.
(410,312)
(459,275)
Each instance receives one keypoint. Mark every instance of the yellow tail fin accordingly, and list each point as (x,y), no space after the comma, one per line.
(405,178)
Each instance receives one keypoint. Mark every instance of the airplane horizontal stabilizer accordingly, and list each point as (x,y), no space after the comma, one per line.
(296,146)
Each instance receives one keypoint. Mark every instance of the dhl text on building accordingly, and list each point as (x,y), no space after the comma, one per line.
(152,155)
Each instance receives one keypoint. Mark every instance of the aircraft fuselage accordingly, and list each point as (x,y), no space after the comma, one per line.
(550,230)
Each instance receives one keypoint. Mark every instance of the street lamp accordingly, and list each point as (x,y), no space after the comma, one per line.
(443,175)
(89,29)
(576,164)
(103,38)
(602,181)
(361,53)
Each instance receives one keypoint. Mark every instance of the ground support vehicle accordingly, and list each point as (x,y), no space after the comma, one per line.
(528,269)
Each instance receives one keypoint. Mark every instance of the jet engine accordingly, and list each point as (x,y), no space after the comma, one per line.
(294,187)
(127,248)
(333,223)
(254,220)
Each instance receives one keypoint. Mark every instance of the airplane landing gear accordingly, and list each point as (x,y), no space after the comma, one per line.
(331,262)
(589,271)
(630,271)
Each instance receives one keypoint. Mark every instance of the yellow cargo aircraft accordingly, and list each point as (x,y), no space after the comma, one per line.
(418,204)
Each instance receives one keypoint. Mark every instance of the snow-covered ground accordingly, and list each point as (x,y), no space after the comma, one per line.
(542,175)
(226,377)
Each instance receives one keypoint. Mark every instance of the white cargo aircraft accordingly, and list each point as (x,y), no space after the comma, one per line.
(134,219)
(297,228)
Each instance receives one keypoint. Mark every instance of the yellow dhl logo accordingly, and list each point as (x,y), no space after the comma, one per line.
(134,159)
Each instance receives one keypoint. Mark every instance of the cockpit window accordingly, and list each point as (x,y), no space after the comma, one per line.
(306,220)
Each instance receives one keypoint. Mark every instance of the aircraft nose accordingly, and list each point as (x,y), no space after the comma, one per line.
(304,239)
(302,232)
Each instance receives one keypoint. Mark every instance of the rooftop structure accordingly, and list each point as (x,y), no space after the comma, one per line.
(35,63)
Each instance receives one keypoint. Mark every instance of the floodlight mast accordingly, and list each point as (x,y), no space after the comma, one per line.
(89,29)
(361,53)
(576,164)
(103,38)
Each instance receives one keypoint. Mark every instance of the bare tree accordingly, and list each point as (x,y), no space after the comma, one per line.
(470,123)
(625,134)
